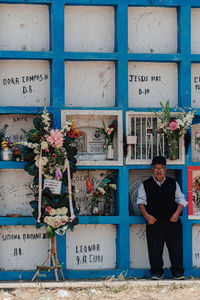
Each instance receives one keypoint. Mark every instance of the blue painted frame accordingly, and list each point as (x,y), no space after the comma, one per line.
(57,57)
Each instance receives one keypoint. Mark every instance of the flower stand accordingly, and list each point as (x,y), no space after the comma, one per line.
(53,262)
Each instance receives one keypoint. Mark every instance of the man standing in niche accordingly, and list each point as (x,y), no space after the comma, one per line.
(161,201)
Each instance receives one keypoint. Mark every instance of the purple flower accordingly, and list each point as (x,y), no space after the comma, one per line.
(58,174)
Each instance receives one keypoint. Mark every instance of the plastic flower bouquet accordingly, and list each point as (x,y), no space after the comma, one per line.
(173,126)
(94,195)
(109,133)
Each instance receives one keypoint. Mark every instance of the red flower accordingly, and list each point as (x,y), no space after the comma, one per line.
(53,155)
(89,184)
(48,209)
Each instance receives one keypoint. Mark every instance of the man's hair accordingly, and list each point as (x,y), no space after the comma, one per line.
(158,160)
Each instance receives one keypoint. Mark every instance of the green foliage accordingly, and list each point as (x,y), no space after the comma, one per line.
(34,136)
(32,170)
(50,232)
(29,156)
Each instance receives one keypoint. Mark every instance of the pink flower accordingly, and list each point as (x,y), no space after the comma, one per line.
(48,209)
(58,174)
(55,138)
(56,224)
(63,221)
(53,155)
(47,150)
(173,125)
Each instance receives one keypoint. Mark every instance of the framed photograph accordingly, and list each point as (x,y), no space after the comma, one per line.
(193,192)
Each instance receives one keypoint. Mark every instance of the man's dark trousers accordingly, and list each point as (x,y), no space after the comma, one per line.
(159,233)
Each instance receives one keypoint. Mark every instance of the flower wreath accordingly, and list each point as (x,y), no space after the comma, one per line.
(50,156)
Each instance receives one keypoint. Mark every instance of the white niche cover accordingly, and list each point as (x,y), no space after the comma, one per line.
(196,246)
(144,142)
(152,29)
(91,247)
(89,28)
(91,145)
(195,85)
(15,193)
(90,83)
(138,248)
(195,26)
(24,27)
(150,82)
(22,247)
(24,82)
(16,126)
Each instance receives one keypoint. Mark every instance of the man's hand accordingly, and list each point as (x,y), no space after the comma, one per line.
(174,217)
(150,219)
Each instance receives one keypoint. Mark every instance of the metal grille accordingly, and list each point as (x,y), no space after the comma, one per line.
(149,142)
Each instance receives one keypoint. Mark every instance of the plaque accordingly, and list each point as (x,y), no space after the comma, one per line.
(90,146)
(54,186)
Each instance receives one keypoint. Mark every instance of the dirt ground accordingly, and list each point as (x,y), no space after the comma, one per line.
(128,290)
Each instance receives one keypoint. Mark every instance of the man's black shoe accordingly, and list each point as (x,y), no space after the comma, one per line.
(179,277)
(156,277)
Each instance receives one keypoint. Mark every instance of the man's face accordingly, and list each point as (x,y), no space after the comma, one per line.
(159,172)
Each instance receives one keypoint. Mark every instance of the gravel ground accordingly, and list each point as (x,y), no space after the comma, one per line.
(108,289)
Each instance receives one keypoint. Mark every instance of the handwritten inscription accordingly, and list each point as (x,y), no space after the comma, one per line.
(24,236)
(143,79)
(88,254)
(25,80)
(17,252)
(196,80)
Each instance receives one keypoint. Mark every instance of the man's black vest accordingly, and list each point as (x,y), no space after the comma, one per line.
(161,199)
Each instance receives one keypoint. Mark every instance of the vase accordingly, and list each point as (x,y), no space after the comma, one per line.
(95,211)
(6,154)
(173,148)
(110,152)
(107,209)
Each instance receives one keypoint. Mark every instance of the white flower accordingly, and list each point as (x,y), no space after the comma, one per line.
(53,212)
(57,219)
(44,145)
(101,190)
(67,126)
(180,123)
(66,218)
(45,219)
(113,186)
(64,211)
(30,145)
(58,211)
(36,150)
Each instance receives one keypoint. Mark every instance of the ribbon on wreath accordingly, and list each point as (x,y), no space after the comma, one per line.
(40,187)
(72,215)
